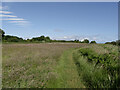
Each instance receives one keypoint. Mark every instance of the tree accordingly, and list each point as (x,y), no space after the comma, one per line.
(42,38)
(113,42)
(47,39)
(86,41)
(76,40)
(2,32)
(107,42)
(9,38)
(92,42)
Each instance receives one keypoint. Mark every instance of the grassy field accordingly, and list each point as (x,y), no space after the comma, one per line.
(59,65)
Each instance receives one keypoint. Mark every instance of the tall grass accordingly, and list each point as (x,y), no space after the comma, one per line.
(31,65)
(59,65)
(96,70)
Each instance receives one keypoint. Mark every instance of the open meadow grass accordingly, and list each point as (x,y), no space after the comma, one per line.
(59,65)
(31,65)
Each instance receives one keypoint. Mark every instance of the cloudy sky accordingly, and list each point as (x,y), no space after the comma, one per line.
(66,21)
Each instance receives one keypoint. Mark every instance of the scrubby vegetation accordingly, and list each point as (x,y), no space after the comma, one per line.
(97,70)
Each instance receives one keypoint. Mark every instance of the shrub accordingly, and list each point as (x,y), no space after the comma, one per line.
(85,41)
(98,70)
(92,42)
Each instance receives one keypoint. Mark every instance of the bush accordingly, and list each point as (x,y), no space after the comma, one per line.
(93,42)
(85,41)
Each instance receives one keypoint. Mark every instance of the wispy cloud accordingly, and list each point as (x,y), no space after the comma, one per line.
(8,16)
(16,19)
(5,12)
(2,15)
(21,23)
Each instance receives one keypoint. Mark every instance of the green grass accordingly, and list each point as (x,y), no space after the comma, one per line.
(67,73)
(58,65)
(97,70)
(31,65)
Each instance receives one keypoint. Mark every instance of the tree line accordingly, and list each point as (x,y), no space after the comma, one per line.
(9,38)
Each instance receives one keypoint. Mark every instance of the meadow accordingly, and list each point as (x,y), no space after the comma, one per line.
(59,65)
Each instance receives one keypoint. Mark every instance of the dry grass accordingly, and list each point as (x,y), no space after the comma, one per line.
(31,65)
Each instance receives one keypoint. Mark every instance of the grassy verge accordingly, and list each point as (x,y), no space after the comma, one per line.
(95,69)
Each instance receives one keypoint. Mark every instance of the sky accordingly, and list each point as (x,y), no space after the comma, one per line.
(61,20)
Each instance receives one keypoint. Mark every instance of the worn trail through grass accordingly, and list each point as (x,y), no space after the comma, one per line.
(68,76)
(74,69)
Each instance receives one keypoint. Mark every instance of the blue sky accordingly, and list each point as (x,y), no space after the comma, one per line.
(67,21)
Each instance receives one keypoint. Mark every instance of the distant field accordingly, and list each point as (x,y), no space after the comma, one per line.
(59,65)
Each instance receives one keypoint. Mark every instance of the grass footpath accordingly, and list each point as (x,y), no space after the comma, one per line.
(87,67)
(68,76)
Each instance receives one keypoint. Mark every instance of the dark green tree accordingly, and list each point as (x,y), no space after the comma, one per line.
(47,39)
(40,39)
(76,40)
(94,42)
(9,38)
(86,41)
(113,42)
(2,33)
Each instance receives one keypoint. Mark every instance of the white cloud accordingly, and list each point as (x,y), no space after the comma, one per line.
(8,16)
(2,15)
(18,22)
(17,19)
(5,12)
